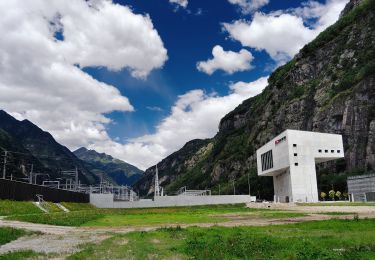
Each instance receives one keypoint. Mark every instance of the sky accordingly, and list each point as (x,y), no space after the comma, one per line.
(137,79)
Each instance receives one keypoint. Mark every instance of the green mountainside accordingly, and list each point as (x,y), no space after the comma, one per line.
(329,86)
(113,170)
(29,145)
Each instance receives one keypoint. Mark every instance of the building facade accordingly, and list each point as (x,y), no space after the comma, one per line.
(362,188)
(290,159)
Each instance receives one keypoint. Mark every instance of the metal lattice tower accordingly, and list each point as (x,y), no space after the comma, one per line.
(157,187)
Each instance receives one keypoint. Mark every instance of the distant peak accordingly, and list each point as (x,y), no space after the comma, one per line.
(82,149)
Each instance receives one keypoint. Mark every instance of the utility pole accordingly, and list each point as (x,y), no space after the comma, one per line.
(31,174)
(248,182)
(219,189)
(4,166)
(234,188)
(76,179)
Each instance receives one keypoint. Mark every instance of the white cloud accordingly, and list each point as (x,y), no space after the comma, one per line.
(283,33)
(227,61)
(249,6)
(195,114)
(182,3)
(40,76)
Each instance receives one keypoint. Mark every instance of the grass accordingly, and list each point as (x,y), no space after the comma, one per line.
(9,207)
(153,216)
(27,254)
(338,204)
(332,239)
(51,207)
(78,206)
(9,234)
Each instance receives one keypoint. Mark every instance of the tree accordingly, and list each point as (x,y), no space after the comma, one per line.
(345,195)
(338,194)
(323,195)
(332,194)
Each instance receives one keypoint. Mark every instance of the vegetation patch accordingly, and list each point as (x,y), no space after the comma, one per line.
(153,216)
(333,239)
(10,207)
(10,234)
(27,254)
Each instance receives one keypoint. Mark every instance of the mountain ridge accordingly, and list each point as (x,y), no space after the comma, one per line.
(113,169)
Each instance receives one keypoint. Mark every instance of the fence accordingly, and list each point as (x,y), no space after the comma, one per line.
(14,190)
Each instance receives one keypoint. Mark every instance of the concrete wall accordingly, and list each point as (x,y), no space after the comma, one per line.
(106,201)
(360,188)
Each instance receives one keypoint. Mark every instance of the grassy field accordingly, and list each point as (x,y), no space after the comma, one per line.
(155,216)
(9,234)
(77,206)
(8,207)
(338,204)
(333,239)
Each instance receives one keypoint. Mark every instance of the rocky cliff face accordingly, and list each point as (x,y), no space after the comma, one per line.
(328,87)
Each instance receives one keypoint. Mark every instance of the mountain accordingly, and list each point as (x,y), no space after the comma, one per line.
(329,86)
(28,144)
(113,170)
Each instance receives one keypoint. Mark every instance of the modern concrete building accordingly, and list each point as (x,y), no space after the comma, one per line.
(290,159)
(361,188)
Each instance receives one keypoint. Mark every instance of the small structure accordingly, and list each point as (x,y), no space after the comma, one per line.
(184,192)
(362,188)
(290,159)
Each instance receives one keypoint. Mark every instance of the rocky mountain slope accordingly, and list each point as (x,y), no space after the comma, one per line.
(329,86)
(28,144)
(114,170)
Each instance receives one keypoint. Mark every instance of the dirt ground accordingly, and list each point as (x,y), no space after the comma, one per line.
(63,241)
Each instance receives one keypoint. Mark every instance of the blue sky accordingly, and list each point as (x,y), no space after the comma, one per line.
(189,36)
(138,79)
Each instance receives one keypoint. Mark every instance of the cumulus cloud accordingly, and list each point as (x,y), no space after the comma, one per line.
(249,6)
(227,61)
(40,74)
(283,33)
(195,114)
(182,3)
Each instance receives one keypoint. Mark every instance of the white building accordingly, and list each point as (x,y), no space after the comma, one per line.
(290,159)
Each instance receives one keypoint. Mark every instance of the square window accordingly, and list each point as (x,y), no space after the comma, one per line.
(296,164)
(294,145)
(295,154)
(326,151)
(320,150)
(338,151)
(332,151)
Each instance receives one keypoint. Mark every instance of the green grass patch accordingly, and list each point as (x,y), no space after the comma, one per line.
(333,239)
(338,204)
(51,207)
(20,255)
(9,234)
(153,216)
(78,206)
(336,213)
(10,207)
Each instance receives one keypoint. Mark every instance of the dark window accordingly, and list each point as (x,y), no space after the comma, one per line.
(326,151)
(338,151)
(294,145)
(320,150)
(296,164)
(267,160)
(295,154)
(332,151)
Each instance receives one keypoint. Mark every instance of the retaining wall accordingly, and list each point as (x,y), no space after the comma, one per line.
(106,201)
(15,190)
